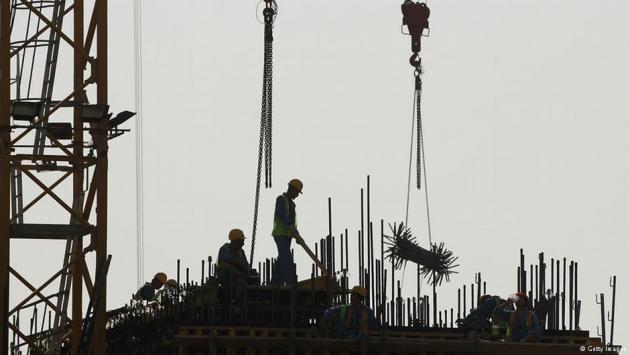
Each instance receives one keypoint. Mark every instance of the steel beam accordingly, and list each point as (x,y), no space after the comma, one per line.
(77,178)
(101,179)
(5,165)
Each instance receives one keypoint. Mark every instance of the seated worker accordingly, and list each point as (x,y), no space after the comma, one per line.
(147,291)
(523,323)
(232,266)
(349,321)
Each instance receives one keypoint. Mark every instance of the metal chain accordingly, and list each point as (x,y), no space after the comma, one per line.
(264,141)
(419,130)
(268,78)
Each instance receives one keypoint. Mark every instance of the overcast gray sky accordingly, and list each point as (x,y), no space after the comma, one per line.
(524,110)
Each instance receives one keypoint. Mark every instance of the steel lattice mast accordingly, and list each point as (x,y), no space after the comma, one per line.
(75,129)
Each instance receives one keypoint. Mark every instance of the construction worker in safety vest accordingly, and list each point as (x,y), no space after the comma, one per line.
(147,291)
(284,230)
(523,325)
(349,321)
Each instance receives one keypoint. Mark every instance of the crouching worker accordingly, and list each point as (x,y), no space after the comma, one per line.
(479,319)
(233,267)
(523,325)
(147,291)
(349,321)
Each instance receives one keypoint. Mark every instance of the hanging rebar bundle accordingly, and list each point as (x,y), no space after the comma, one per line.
(436,265)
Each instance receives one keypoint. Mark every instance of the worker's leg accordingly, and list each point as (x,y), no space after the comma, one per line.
(283,269)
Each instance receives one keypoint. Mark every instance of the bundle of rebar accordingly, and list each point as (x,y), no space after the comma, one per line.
(436,265)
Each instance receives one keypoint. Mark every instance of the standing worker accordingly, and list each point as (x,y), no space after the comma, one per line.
(284,229)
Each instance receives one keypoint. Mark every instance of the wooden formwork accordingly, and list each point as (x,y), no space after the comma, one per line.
(193,340)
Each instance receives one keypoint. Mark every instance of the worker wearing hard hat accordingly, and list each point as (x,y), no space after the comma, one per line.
(349,321)
(233,268)
(284,230)
(147,291)
(523,325)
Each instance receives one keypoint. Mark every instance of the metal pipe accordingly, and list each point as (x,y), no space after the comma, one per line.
(571,303)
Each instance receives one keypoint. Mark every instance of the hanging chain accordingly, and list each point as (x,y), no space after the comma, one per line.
(264,141)
(418,91)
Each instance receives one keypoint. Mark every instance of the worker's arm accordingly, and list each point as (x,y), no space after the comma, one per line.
(500,312)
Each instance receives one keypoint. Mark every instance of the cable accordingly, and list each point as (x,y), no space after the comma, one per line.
(424,171)
(413,121)
(137,46)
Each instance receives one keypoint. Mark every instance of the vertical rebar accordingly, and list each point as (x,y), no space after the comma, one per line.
(603,317)
(557,294)
(361,244)
(178,269)
(536,294)
(360,273)
(464,303)
(203,271)
(523,287)
(577,301)
(342,255)
(459,302)
(564,293)
(552,276)
(613,284)
(541,275)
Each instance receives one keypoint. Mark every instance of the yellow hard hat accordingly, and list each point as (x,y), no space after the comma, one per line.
(361,291)
(297,184)
(171,283)
(161,276)
(236,234)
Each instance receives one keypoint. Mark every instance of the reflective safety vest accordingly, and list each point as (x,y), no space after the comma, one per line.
(280,228)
